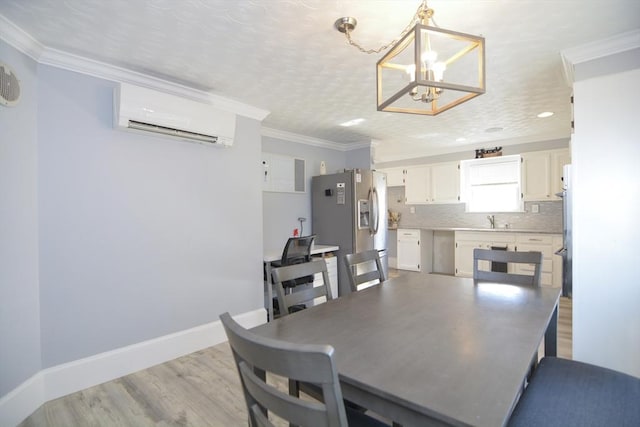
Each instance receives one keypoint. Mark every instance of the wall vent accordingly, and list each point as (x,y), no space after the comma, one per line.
(9,86)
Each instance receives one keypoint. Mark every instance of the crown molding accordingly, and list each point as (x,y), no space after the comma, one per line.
(26,44)
(20,39)
(316,142)
(596,50)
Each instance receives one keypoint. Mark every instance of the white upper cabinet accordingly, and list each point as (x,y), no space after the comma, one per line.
(542,174)
(536,176)
(395,176)
(417,185)
(445,183)
(436,183)
(559,158)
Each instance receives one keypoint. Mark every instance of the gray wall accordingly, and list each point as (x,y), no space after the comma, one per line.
(140,236)
(19,292)
(110,238)
(282,210)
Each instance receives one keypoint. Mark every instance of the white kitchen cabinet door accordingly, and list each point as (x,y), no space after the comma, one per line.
(395,177)
(542,174)
(539,243)
(409,250)
(466,242)
(417,185)
(559,158)
(536,176)
(445,183)
(464,256)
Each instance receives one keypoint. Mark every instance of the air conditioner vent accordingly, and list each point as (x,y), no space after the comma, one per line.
(145,110)
(173,132)
(9,86)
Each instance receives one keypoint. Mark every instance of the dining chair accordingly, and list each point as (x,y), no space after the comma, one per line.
(502,276)
(255,356)
(507,257)
(367,261)
(287,301)
(569,393)
(297,250)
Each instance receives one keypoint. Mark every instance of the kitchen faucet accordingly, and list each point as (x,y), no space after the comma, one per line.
(492,220)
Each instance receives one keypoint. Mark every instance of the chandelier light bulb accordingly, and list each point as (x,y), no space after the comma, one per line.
(429,58)
(438,70)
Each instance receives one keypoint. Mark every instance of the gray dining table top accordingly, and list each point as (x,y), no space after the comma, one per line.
(447,348)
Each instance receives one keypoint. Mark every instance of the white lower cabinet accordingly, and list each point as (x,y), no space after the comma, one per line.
(467,241)
(539,243)
(547,244)
(409,254)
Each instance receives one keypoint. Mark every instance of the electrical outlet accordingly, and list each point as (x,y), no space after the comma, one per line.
(412,209)
(535,208)
(302,219)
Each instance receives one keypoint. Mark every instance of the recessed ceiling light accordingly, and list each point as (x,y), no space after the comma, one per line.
(495,129)
(352,122)
(545,114)
(461,139)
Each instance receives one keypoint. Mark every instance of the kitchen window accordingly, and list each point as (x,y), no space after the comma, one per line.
(492,184)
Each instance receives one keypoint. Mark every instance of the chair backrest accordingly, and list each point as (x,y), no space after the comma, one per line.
(369,262)
(255,356)
(290,273)
(512,257)
(297,250)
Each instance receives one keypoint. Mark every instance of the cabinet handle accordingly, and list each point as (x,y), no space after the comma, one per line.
(534,240)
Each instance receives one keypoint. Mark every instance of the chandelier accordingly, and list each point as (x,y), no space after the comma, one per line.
(428,70)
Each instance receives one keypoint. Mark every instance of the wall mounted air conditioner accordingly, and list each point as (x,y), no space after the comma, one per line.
(141,109)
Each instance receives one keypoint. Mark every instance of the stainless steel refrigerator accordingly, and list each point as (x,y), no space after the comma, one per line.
(349,209)
(567,233)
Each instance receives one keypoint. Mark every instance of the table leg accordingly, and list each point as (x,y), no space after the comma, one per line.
(551,335)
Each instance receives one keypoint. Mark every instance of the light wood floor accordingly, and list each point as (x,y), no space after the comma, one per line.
(200,389)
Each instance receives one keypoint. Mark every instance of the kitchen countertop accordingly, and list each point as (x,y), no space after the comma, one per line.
(499,230)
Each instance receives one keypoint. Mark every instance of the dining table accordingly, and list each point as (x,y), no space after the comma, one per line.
(428,349)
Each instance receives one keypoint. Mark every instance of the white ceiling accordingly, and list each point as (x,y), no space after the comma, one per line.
(286,57)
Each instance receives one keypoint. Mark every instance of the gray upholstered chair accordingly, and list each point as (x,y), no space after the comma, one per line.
(569,393)
(369,262)
(255,356)
(508,257)
(288,273)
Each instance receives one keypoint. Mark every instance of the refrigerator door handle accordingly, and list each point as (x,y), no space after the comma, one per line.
(375,212)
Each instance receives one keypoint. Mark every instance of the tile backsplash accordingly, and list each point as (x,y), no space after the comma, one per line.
(549,217)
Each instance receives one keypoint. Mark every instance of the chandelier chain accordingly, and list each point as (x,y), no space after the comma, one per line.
(422,12)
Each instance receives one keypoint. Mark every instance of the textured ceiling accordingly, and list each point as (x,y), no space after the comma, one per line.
(285,56)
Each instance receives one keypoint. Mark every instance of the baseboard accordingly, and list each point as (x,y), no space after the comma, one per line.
(67,378)
(20,402)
